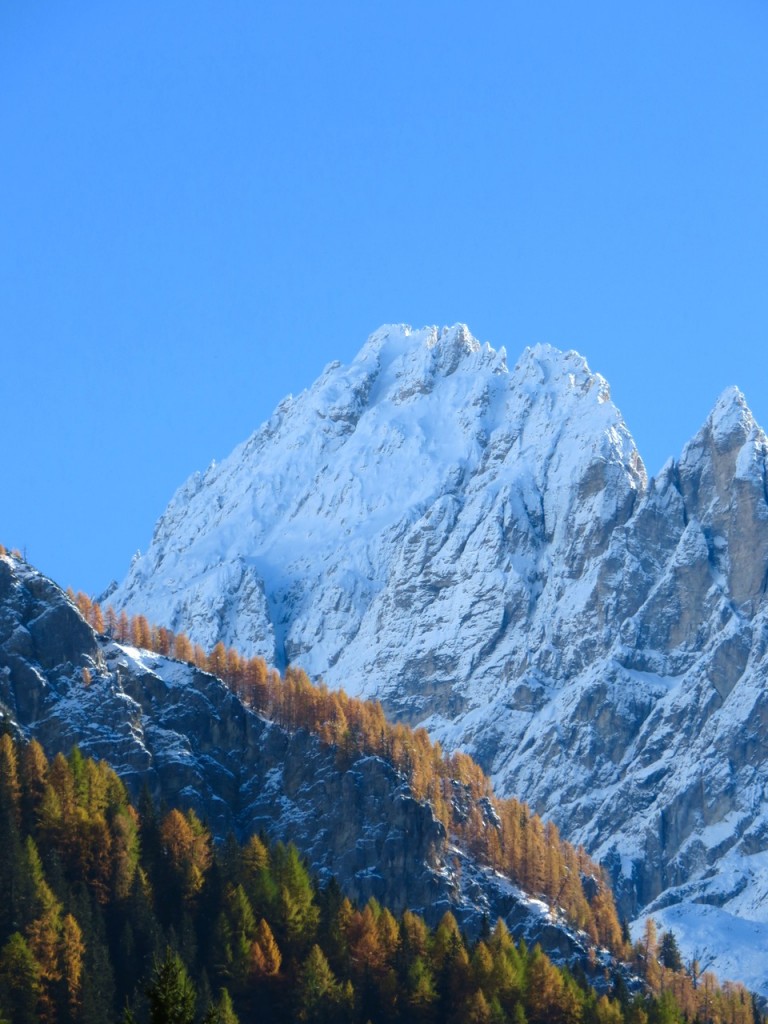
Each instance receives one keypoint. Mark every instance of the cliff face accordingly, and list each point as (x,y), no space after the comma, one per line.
(658,735)
(478,547)
(182,734)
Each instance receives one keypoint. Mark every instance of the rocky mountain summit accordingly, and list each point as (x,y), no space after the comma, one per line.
(179,732)
(478,546)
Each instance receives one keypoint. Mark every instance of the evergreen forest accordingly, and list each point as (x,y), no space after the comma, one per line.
(116,913)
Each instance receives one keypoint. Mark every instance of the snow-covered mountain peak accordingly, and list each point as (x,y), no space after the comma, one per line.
(727,428)
(721,477)
(566,409)
(399,352)
(552,361)
(730,445)
(545,367)
(393,340)
(423,426)
(458,335)
(476,545)
(731,418)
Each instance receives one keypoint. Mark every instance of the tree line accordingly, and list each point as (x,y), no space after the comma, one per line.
(501,833)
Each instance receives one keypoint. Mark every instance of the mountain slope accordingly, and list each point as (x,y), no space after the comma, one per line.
(183,735)
(478,547)
(424,484)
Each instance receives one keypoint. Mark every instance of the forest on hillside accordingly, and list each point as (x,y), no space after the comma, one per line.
(501,833)
(112,913)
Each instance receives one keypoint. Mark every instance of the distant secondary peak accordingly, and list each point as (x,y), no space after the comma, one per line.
(731,408)
(729,427)
(731,418)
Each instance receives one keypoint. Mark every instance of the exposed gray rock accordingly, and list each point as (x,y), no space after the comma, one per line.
(184,736)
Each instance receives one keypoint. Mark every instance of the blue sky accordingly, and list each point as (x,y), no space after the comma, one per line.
(202,204)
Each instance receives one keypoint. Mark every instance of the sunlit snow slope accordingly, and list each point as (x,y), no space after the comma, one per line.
(426,483)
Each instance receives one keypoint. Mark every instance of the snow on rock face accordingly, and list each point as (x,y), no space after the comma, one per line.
(425,484)
(478,547)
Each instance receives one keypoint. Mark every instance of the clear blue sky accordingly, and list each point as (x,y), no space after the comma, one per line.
(201,204)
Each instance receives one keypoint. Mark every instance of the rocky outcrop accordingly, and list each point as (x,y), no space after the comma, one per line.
(658,740)
(181,734)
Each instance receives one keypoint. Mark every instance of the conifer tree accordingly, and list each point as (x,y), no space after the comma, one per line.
(415,935)
(98,980)
(447,940)
(34,777)
(545,995)
(123,633)
(10,789)
(110,620)
(319,994)
(254,856)
(265,953)
(20,986)
(647,955)
(223,1012)
(186,847)
(297,913)
(43,931)
(236,934)
(97,618)
(72,951)
(182,648)
(217,660)
(141,632)
(420,990)
(13,883)
(482,967)
(476,1009)
(171,994)
(125,851)
(669,953)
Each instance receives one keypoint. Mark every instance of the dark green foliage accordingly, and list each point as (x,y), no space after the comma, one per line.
(221,1012)
(664,1010)
(669,954)
(296,912)
(171,995)
(108,914)
(98,995)
(19,980)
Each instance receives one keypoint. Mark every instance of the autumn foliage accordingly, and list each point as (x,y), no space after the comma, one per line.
(502,833)
(109,913)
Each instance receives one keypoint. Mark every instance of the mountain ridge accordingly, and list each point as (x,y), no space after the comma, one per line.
(179,733)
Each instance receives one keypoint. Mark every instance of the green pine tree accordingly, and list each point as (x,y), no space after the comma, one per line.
(171,994)
(19,981)
(669,953)
(222,1012)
